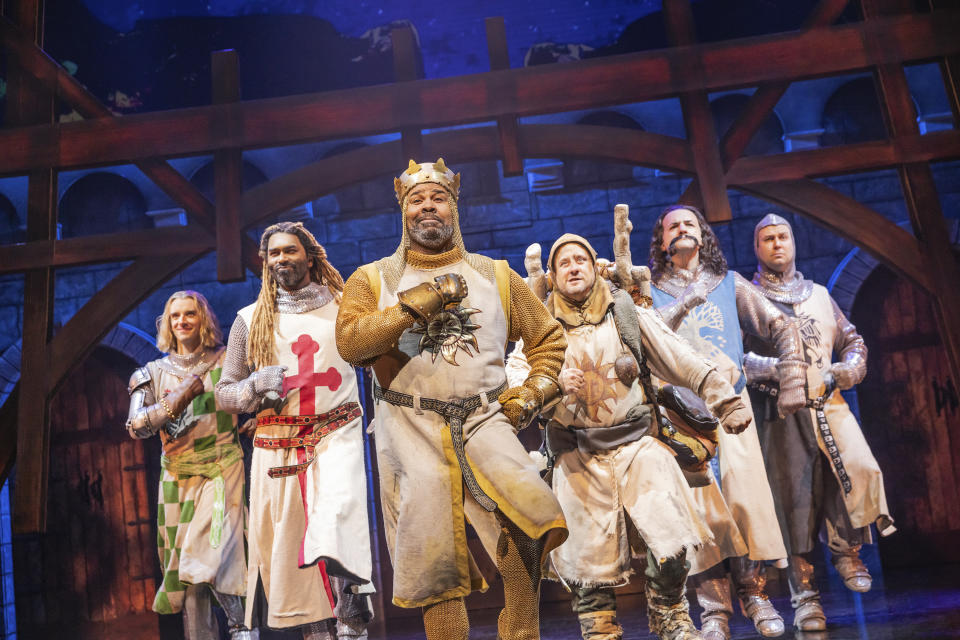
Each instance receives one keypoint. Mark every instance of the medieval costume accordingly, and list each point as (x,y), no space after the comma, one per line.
(820,466)
(435,327)
(201,506)
(714,329)
(621,490)
(308,498)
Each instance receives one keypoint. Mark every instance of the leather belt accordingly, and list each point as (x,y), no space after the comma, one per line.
(823,427)
(313,428)
(454,412)
(561,439)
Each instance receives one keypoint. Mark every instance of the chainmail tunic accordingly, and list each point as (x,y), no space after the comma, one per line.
(774,286)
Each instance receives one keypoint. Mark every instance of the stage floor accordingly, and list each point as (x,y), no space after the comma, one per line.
(904,604)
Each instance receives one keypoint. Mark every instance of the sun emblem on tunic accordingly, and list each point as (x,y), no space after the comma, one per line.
(599,386)
(448,332)
(704,327)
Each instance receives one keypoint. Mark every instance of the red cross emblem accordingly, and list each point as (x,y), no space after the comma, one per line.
(307,380)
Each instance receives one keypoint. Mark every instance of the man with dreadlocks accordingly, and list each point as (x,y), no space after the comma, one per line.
(201,508)
(710,306)
(309,535)
(445,418)
(821,469)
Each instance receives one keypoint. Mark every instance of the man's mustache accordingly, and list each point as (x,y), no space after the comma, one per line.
(672,249)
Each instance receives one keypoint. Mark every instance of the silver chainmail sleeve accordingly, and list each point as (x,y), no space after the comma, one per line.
(851,368)
(759,368)
(146,415)
(761,318)
(235,392)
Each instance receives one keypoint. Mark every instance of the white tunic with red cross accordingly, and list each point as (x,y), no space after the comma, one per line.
(306,525)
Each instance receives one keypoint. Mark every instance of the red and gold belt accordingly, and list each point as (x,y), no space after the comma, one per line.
(313,428)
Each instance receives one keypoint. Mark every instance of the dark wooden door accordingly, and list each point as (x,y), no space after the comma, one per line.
(911,413)
(97,562)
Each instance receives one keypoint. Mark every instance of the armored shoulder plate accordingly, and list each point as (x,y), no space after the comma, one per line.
(140,377)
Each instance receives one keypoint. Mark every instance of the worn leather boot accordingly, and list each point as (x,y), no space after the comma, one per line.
(600,625)
(713,593)
(750,581)
(807,612)
(668,612)
(855,575)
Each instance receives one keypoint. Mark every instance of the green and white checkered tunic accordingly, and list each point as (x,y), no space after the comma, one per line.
(201,510)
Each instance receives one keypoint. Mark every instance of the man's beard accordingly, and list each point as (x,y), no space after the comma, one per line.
(292,276)
(432,237)
(672,250)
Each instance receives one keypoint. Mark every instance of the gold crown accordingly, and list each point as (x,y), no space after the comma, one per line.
(426,172)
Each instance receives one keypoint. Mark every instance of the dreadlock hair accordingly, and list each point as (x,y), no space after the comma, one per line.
(710,255)
(260,339)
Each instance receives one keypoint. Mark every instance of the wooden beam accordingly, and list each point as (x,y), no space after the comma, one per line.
(849,219)
(920,190)
(168,179)
(108,247)
(507,124)
(8,434)
(480,97)
(227,172)
(605,144)
(406,68)
(851,158)
(697,117)
(761,104)
(108,306)
(28,102)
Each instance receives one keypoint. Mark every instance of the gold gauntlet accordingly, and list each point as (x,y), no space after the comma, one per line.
(548,388)
(426,299)
(521,404)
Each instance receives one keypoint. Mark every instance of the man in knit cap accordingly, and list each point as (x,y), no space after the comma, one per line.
(433,321)
(309,536)
(820,466)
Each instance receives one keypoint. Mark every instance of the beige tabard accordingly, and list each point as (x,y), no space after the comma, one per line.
(424,502)
(306,525)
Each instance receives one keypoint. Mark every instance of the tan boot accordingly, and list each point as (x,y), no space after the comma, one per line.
(750,581)
(855,575)
(671,622)
(807,612)
(600,625)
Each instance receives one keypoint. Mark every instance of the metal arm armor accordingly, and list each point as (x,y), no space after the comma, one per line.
(146,416)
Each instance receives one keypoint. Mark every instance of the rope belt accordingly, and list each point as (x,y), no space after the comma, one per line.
(454,412)
(312,429)
(823,427)
(210,464)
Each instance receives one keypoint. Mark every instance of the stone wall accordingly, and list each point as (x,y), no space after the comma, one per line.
(500,217)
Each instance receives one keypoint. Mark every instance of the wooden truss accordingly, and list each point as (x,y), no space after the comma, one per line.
(889,37)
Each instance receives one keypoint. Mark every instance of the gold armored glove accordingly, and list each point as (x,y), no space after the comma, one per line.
(521,404)
(425,300)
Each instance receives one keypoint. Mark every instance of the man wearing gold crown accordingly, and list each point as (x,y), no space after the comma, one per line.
(821,469)
(433,321)
(609,476)
(309,534)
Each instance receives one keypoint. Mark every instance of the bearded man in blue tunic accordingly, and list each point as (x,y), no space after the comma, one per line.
(709,305)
